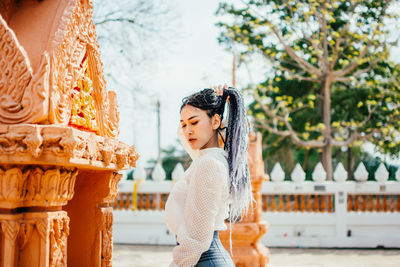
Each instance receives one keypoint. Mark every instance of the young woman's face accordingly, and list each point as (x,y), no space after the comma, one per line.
(198,128)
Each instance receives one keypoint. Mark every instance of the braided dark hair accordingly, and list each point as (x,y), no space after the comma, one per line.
(235,144)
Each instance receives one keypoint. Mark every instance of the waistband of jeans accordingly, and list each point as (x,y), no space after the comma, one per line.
(216,234)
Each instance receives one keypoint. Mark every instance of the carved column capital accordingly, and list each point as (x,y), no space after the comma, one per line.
(29,186)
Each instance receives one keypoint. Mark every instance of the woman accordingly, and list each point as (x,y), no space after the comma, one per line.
(216,186)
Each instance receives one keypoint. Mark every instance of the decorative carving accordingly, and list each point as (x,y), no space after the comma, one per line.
(36,187)
(33,142)
(53,185)
(59,231)
(10,230)
(75,39)
(107,151)
(53,229)
(83,114)
(13,185)
(42,226)
(25,95)
(63,145)
(113,120)
(25,233)
(106,237)
(113,186)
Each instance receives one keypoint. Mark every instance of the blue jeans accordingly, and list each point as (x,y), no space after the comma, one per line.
(216,255)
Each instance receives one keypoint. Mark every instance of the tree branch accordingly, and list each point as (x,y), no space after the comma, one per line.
(336,54)
(115,20)
(290,134)
(306,66)
(355,136)
(364,51)
(359,72)
(298,76)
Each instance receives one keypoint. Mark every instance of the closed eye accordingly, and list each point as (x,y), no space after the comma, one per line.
(194,123)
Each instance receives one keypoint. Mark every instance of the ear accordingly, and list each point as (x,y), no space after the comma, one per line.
(215,121)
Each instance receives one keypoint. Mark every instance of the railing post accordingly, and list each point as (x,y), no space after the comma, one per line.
(341,209)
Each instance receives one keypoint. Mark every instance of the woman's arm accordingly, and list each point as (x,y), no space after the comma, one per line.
(202,203)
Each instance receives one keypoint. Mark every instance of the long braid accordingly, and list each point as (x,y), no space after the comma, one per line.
(236,145)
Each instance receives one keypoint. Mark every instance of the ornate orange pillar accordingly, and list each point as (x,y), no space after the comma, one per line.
(59,153)
(246,246)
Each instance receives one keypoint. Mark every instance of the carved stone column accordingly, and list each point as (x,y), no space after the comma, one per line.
(34,229)
(59,148)
(246,246)
(91,218)
(56,191)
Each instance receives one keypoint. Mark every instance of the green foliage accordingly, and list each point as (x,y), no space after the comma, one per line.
(129,176)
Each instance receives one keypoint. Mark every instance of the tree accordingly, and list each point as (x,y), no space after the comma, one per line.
(131,33)
(321,52)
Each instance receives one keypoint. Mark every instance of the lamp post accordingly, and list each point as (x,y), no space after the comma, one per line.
(158,131)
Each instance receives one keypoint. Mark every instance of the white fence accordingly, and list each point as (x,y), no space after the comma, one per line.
(301,213)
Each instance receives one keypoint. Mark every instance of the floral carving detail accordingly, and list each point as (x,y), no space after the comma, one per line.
(75,40)
(12,185)
(64,145)
(107,151)
(33,142)
(106,237)
(26,95)
(113,186)
(36,187)
(10,230)
(59,231)
(52,227)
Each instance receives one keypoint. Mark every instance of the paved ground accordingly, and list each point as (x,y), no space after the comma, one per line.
(159,256)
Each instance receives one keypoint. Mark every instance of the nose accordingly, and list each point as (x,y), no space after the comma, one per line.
(188,130)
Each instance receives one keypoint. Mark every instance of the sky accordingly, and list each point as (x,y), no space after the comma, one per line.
(196,61)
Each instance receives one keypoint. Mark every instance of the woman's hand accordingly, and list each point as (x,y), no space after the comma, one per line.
(219,90)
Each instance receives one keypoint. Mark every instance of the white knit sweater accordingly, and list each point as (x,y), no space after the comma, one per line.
(198,205)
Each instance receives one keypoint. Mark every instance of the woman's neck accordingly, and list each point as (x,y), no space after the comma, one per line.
(213,142)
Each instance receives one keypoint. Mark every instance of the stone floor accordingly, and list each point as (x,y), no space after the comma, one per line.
(159,256)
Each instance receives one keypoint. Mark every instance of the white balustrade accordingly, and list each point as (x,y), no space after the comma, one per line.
(158,173)
(277,174)
(315,213)
(178,172)
(381,174)
(361,173)
(319,174)
(340,173)
(298,175)
(139,173)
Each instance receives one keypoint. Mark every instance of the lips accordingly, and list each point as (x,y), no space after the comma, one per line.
(191,139)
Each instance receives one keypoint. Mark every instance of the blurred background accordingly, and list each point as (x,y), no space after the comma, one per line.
(321,81)
(165,50)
